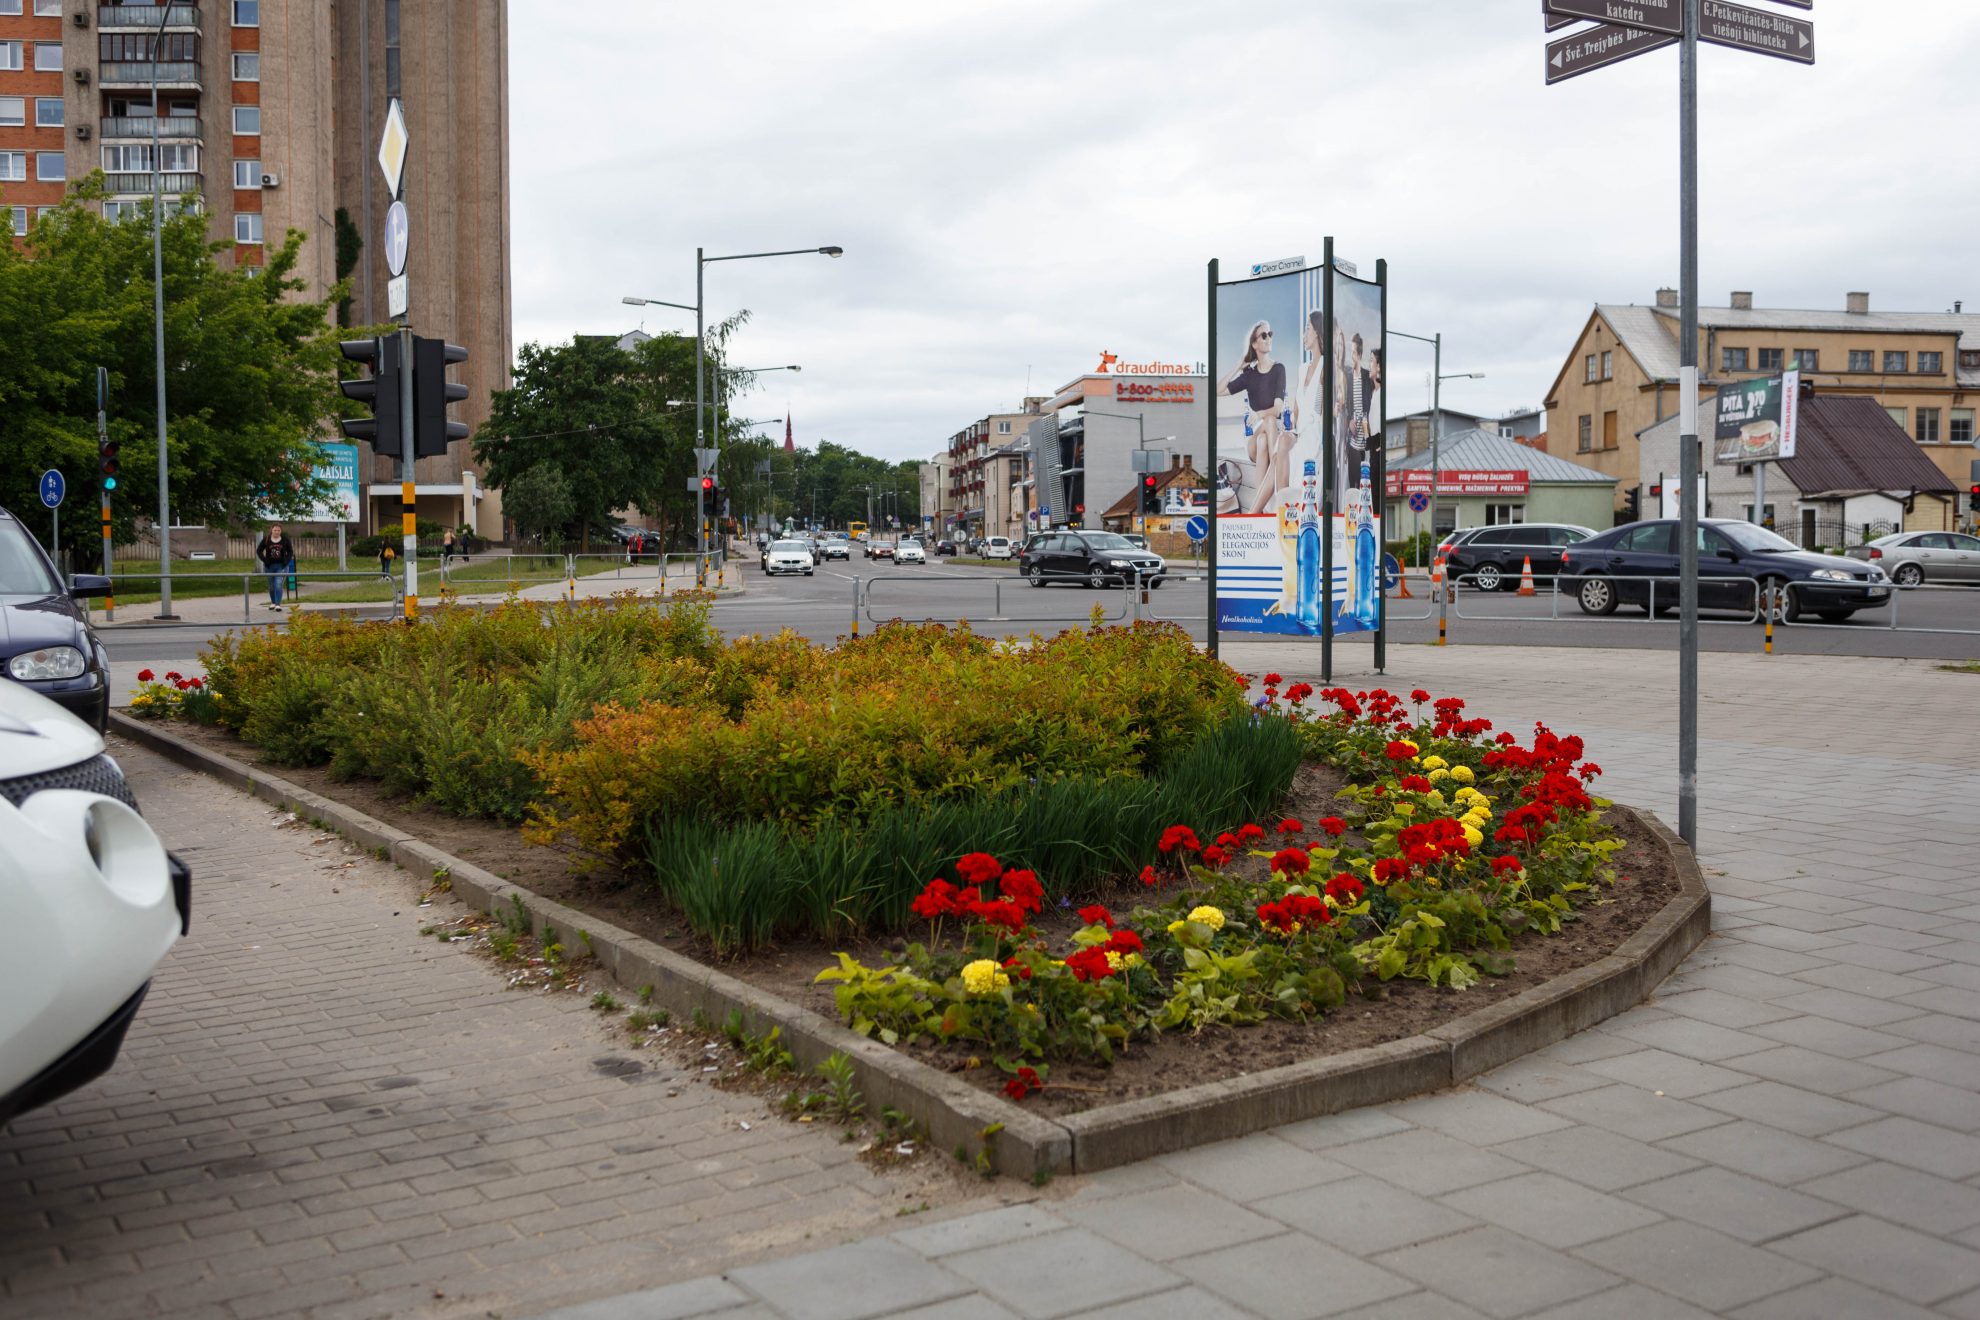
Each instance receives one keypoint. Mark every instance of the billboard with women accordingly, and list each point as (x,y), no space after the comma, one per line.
(1355,453)
(1282,442)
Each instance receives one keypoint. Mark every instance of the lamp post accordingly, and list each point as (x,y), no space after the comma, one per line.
(1140,444)
(158,326)
(1437,379)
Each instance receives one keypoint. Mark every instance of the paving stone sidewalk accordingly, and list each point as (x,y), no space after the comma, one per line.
(1789,1129)
(319,1112)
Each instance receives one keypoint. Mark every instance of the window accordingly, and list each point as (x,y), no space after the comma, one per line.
(1807,359)
(10,6)
(135,158)
(1898,415)
(1586,439)
(1003,428)
(1609,440)
(1969,360)
(48,112)
(247,227)
(50,167)
(13,167)
(48,57)
(1732,359)
(1770,359)
(137,48)
(1931,363)
(1959,427)
(1894,361)
(45,8)
(1498,514)
(10,54)
(1766,516)
(1928,427)
(1589,367)
(1608,364)
(247,174)
(1861,359)
(247,67)
(247,120)
(1505,429)
(247,13)
(13,111)
(20,220)
(1650,539)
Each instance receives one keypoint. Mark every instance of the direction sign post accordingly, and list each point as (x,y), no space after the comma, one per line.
(1598,47)
(1758,30)
(1662,16)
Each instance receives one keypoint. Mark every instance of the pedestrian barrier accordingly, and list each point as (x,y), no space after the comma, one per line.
(254,583)
(1916,595)
(863,598)
(1660,597)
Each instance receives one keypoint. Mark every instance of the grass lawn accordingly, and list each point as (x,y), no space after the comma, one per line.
(481,575)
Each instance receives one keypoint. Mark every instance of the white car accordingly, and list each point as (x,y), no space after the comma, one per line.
(910,552)
(90,894)
(998,547)
(789,557)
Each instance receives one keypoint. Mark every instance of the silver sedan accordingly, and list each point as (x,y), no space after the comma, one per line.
(1909,558)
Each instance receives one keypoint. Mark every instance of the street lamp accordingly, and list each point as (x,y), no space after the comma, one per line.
(158,325)
(1437,378)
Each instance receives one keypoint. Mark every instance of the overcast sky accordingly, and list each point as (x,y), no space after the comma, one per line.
(1019,184)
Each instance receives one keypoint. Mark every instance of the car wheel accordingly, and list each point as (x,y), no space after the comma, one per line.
(1489,578)
(1908,575)
(1096,579)
(1156,583)
(1033,576)
(807,572)
(1596,595)
(1777,602)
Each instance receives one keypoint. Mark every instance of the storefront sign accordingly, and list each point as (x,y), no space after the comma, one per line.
(1150,391)
(1460,481)
(1111,363)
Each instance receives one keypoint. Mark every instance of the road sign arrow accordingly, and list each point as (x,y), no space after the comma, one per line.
(1650,15)
(1599,47)
(1760,31)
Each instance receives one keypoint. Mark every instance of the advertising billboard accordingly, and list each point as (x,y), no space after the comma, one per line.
(1755,422)
(337,464)
(1297,403)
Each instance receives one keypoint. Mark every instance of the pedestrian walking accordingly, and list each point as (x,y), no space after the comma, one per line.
(385,557)
(446,551)
(277,558)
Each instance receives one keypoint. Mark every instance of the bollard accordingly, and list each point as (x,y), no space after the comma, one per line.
(855,631)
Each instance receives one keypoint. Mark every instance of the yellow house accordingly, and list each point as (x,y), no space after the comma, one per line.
(1621,377)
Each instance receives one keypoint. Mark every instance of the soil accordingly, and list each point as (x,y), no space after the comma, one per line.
(1645,882)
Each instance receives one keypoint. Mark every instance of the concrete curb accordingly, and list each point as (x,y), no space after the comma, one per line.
(975,1123)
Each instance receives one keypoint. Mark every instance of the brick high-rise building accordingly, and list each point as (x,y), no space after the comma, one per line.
(269,113)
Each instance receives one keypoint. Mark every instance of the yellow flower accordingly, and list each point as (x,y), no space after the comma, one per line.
(1466,794)
(141,699)
(984,977)
(1115,960)
(1474,836)
(1462,773)
(1175,927)
(1434,763)
(1436,798)
(1208,916)
(1436,775)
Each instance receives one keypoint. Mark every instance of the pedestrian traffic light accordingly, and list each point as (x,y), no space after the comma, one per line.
(106,463)
(432,392)
(380,389)
(1632,509)
(1972,497)
(1150,498)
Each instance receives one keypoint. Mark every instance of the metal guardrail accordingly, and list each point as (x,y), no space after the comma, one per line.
(254,582)
(1555,594)
(1897,597)
(863,598)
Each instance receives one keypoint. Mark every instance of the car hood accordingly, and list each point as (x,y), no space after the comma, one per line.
(37,736)
(30,622)
(1809,560)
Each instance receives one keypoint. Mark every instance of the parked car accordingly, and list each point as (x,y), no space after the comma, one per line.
(46,643)
(1098,559)
(945,547)
(92,894)
(998,547)
(1491,558)
(789,557)
(1909,558)
(1615,568)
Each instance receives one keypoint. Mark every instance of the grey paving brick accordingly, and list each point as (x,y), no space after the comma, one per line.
(1721,1008)
(1477,1116)
(1734,1204)
(1632,1301)
(1538,1078)
(1060,1274)
(1498,1272)
(1926,1100)
(1700,1266)
(1171,1221)
(1364,1215)
(1692,1038)
(1551,1210)
(985,1228)
(1915,1266)
(1955,1065)
(1827,1036)
(1425,1162)
(1323,1134)
(1671,1074)
(1261,1165)
(1842,1006)
(1597,1157)
(1903,1196)
(1916,1145)
(1634,1112)
(1293,1276)
(1423,1305)
(1189,1303)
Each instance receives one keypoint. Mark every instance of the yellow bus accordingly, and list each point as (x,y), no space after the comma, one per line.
(858,531)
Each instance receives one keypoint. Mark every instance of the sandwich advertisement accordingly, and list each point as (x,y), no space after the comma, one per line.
(1755,421)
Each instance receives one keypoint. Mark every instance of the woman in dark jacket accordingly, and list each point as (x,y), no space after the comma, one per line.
(278,559)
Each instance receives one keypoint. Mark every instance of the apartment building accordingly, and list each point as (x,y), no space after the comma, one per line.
(1621,376)
(266,115)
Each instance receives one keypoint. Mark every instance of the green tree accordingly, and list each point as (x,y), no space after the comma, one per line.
(539,501)
(250,370)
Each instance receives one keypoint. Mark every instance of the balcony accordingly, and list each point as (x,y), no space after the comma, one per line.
(145,18)
(170,128)
(171,184)
(174,74)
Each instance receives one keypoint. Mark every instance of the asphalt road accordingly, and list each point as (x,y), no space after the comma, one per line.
(997,603)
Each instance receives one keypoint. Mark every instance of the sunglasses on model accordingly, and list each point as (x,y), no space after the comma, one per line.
(1264,334)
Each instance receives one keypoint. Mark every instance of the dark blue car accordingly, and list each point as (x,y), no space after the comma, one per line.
(1638,565)
(46,643)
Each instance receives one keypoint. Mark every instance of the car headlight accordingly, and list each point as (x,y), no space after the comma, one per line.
(1833,575)
(48,662)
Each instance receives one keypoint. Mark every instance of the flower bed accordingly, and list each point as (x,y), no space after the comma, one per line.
(1446,847)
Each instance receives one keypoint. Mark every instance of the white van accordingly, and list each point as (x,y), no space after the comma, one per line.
(997,547)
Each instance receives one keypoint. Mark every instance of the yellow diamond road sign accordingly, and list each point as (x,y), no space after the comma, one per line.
(392,147)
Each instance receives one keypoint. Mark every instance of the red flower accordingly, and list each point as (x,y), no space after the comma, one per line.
(1215,858)
(1273,679)
(1022,889)
(1501,865)
(1346,889)
(1334,825)
(1179,836)
(1414,784)
(1023,1084)
(1097,915)
(145,675)
(1017,969)
(1248,832)
(979,868)
(1291,826)
(200,683)
(999,912)
(1589,769)
(1419,696)
(173,675)
(1397,750)
(1299,692)
(1016,1089)
(1123,942)
(1148,876)
(1089,965)
(1292,861)
(1390,868)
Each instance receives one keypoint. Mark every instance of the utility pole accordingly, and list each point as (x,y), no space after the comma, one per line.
(1688,427)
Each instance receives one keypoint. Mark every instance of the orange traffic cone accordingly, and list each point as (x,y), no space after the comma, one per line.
(1526,577)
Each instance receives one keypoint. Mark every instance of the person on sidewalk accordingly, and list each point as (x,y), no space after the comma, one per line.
(386,554)
(446,553)
(277,558)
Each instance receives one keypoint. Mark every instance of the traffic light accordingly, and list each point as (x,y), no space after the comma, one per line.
(380,389)
(1150,498)
(106,463)
(432,392)
(1632,509)
(1972,498)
